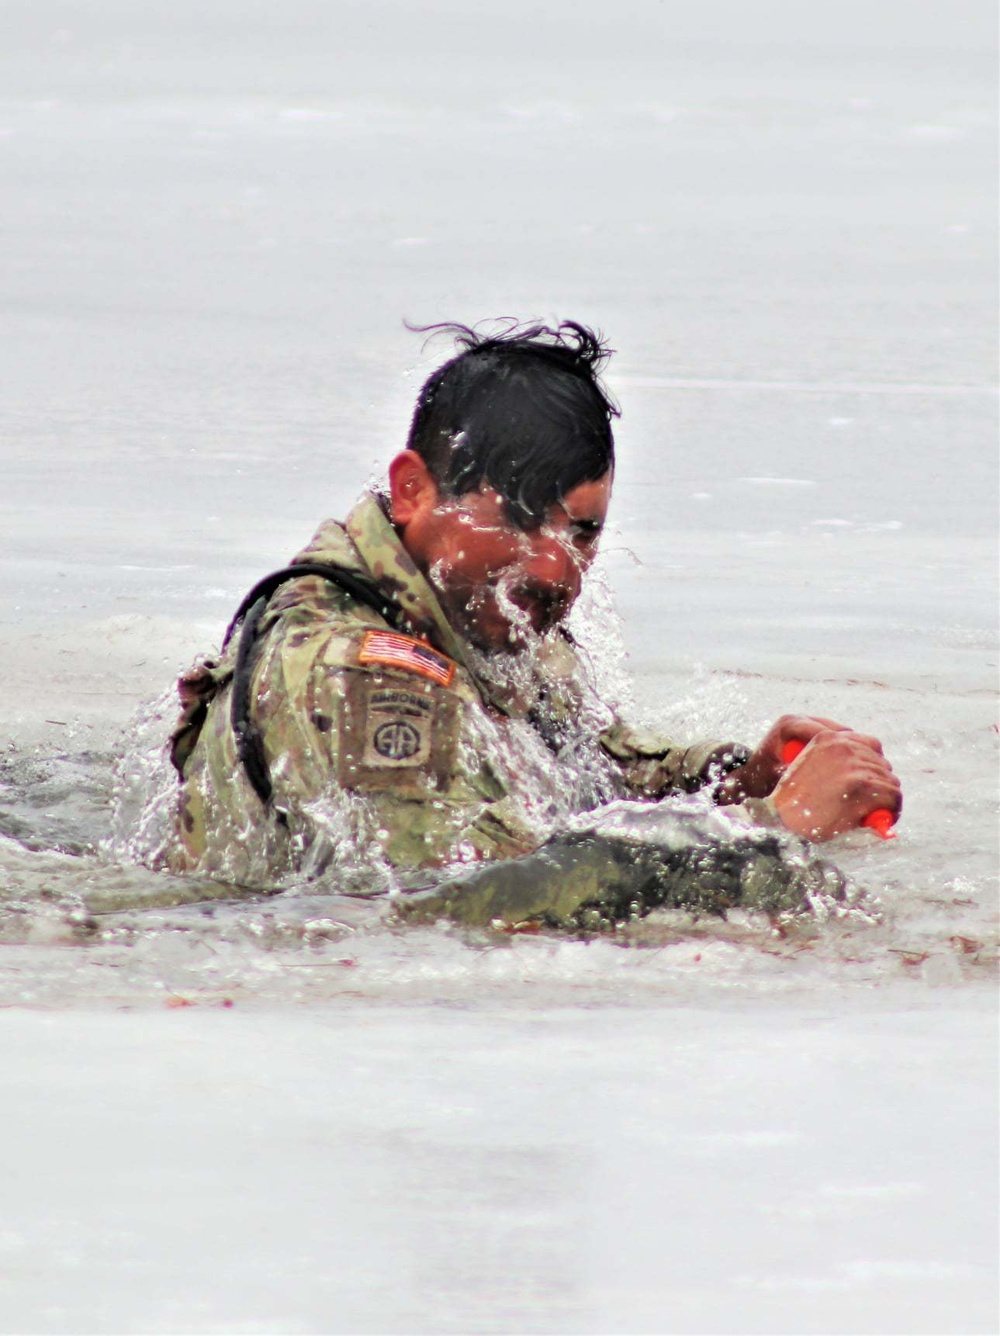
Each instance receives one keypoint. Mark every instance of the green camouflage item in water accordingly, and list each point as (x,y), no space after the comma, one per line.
(591,880)
(417,755)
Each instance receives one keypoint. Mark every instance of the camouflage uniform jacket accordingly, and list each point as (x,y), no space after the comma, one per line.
(394,742)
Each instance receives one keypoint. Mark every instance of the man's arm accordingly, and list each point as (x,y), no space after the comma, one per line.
(653,766)
(838,779)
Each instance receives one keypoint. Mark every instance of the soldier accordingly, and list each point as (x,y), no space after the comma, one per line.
(407,687)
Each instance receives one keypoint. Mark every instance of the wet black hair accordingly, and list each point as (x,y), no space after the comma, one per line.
(522,410)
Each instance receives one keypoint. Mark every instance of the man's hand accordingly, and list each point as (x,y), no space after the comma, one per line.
(765,767)
(831,787)
(834,784)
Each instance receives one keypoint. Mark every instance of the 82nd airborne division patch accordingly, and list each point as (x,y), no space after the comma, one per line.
(396,730)
(398,727)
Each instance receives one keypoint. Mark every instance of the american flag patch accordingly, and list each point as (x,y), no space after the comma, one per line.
(416,656)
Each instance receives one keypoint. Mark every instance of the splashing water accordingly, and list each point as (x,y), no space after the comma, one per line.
(84,843)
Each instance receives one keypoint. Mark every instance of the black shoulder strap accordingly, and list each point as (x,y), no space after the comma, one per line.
(358,586)
(249,743)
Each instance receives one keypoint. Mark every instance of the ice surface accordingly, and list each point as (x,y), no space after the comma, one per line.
(627,1168)
(215,218)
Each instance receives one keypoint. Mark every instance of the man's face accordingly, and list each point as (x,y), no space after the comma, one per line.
(497,583)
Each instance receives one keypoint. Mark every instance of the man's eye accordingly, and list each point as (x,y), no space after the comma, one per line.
(586,531)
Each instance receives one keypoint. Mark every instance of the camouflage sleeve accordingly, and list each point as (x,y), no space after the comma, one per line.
(591,880)
(377,725)
(654,766)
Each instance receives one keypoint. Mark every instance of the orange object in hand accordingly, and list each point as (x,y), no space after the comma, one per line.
(792,749)
(880,821)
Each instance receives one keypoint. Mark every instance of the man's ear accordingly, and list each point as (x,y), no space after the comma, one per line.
(411,487)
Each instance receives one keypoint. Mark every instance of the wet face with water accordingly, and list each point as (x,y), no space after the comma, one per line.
(499,584)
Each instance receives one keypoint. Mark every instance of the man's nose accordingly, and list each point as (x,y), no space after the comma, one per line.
(555,564)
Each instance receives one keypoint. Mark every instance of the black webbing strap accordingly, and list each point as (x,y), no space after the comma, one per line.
(361,589)
(249,743)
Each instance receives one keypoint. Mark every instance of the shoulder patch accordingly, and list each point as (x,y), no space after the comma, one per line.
(396,734)
(389,649)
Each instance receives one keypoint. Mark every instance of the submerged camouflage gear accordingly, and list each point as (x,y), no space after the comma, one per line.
(594,879)
(397,742)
